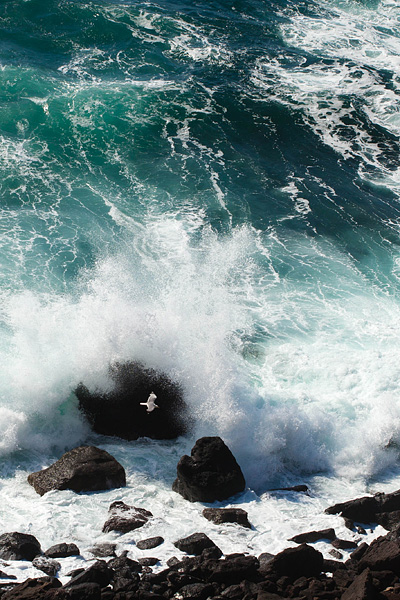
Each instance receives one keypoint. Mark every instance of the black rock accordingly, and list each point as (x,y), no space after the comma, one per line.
(125,565)
(82,469)
(234,569)
(210,473)
(195,544)
(62,551)
(227,515)
(120,413)
(313,536)
(19,546)
(150,543)
(124,518)
(99,573)
(84,591)
(47,565)
(32,589)
(297,562)
(340,544)
(148,561)
(196,591)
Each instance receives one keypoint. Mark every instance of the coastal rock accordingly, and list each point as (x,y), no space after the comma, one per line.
(103,550)
(119,412)
(303,561)
(227,515)
(150,543)
(33,589)
(313,536)
(62,550)
(383,509)
(234,569)
(47,565)
(124,518)
(19,546)
(99,573)
(195,544)
(210,473)
(82,469)
(361,588)
(383,554)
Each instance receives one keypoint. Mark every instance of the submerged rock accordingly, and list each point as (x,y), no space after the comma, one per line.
(82,469)
(124,518)
(120,411)
(210,473)
(227,515)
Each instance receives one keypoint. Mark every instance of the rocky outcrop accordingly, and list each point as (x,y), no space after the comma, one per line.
(82,469)
(19,546)
(383,509)
(210,473)
(120,413)
(124,518)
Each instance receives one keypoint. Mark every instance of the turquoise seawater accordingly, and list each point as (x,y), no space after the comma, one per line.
(212,188)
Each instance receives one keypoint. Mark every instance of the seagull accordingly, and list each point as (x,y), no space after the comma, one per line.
(151,405)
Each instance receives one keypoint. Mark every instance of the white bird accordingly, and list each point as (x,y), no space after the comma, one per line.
(151,405)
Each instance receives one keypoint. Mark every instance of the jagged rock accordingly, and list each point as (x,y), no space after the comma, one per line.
(82,469)
(313,536)
(227,515)
(297,562)
(120,413)
(195,544)
(150,543)
(19,546)
(32,589)
(124,565)
(99,573)
(361,588)
(47,565)
(196,591)
(381,508)
(210,473)
(124,518)
(62,550)
(383,554)
(340,544)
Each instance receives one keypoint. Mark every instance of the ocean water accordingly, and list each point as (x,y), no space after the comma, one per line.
(211,188)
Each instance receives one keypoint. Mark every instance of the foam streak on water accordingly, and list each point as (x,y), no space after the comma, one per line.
(214,191)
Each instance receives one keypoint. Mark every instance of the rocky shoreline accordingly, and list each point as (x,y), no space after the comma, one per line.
(371,571)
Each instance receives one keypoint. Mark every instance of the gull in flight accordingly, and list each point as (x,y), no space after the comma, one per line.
(151,405)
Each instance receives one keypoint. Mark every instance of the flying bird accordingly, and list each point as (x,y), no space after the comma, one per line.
(151,405)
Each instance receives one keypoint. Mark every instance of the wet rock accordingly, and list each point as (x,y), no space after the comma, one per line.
(336,554)
(340,544)
(195,591)
(148,561)
(227,515)
(234,569)
(19,546)
(124,518)
(383,554)
(47,565)
(82,469)
(125,565)
(103,550)
(150,543)
(84,591)
(313,536)
(120,413)
(62,550)
(210,473)
(195,544)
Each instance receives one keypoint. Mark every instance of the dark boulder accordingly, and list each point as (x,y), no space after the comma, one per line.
(383,554)
(361,588)
(19,546)
(195,544)
(82,469)
(150,543)
(303,561)
(33,589)
(99,573)
(124,518)
(62,550)
(119,412)
(210,473)
(103,550)
(227,515)
(381,508)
